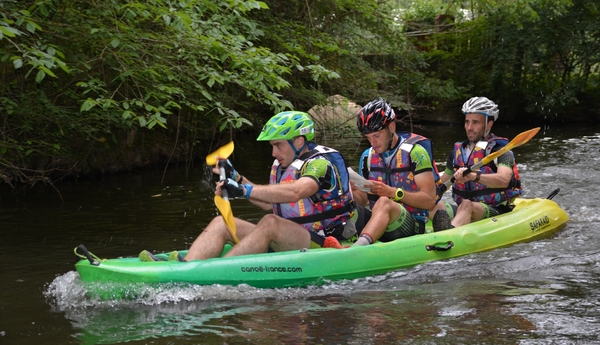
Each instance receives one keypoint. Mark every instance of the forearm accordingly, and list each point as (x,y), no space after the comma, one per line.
(500,179)
(360,197)
(444,177)
(273,194)
(420,199)
(423,199)
(491,180)
(263,205)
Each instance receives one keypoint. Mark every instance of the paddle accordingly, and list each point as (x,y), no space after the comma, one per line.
(516,142)
(222,203)
(222,152)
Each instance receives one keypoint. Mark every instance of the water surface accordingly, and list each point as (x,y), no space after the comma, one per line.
(542,292)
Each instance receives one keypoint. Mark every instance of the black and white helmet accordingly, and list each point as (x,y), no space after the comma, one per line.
(481,105)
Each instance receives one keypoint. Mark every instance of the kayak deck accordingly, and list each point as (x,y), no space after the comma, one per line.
(531,219)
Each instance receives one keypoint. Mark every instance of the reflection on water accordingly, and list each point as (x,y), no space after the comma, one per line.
(541,292)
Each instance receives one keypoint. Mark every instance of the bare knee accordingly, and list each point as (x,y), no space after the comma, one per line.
(383,204)
(269,221)
(217,225)
(465,206)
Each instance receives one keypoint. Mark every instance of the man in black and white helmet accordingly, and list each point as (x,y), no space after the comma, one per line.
(483,193)
(401,178)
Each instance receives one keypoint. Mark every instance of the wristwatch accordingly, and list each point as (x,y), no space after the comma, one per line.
(478,173)
(399,194)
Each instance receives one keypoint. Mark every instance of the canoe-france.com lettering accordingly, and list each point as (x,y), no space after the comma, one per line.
(269,269)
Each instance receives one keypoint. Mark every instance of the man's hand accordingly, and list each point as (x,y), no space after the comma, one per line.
(440,189)
(459,178)
(230,171)
(381,189)
(234,189)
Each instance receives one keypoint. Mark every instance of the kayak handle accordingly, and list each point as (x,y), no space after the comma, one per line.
(553,194)
(81,252)
(440,247)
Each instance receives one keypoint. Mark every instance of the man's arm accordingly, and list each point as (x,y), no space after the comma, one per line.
(317,173)
(500,179)
(284,192)
(264,196)
(358,195)
(425,196)
(448,173)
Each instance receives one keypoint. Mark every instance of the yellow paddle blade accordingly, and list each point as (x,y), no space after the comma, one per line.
(222,152)
(524,137)
(224,208)
(519,140)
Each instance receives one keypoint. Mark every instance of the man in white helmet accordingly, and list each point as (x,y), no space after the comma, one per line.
(486,192)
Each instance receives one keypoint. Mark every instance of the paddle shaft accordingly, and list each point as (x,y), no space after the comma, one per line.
(223,190)
(516,142)
(222,201)
(225,209)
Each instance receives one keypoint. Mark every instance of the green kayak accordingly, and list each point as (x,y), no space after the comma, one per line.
(531,219)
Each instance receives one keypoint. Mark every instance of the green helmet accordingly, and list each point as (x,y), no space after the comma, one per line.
(288,125)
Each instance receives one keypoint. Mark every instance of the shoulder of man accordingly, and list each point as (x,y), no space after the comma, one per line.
(420,156)
(316,165)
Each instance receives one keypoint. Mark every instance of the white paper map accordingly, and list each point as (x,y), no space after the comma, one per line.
(358,180)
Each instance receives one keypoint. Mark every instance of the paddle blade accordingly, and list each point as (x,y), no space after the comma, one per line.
(519,140)
(523,138)
(224,208)
(222,152)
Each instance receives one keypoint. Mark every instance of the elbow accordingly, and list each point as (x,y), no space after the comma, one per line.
(505,183)
(297,195)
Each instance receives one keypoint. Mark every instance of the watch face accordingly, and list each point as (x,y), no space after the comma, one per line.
(399,193)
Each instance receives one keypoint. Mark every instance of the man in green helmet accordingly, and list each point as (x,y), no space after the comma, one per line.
(308,192)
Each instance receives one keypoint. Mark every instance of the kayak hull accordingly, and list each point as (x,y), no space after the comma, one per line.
(531,219)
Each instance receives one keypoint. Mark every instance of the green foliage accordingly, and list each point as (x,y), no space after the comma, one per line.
(118,66)
(327,39)
(138,81)
(536,57)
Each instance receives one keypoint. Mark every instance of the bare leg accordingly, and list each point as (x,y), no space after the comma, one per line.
(211,241)
(384,212)
(272,231)
(439,206)
(467,212)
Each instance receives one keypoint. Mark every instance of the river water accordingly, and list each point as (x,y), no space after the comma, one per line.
(542,292)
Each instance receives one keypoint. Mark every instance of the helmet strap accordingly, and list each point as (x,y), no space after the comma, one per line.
(487,130)
(296,151)
(391,138)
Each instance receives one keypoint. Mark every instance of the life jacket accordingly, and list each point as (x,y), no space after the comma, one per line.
(398,173)
(324,210)
(478,192)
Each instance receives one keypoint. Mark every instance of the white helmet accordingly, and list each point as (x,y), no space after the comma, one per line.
(481,105)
